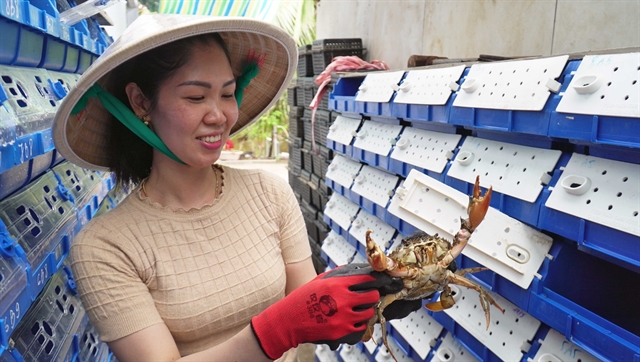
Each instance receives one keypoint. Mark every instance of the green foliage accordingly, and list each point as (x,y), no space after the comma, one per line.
(298,18)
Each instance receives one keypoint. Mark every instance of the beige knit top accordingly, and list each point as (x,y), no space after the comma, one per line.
(203,272)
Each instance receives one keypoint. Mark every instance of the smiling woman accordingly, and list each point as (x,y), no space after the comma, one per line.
(200,261)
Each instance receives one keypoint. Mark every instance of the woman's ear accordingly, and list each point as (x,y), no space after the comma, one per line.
(138,101)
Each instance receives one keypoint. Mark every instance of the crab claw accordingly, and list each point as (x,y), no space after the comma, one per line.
(478,206)
(375,256)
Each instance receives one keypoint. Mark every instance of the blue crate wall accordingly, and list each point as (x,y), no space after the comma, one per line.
(41,60)
(561,296)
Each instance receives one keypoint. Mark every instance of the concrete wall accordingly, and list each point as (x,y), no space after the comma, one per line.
(393,30)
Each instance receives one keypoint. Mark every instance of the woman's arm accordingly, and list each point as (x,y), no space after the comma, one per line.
(299,274)
(136,347)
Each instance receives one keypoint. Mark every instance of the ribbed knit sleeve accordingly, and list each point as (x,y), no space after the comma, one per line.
(111,276)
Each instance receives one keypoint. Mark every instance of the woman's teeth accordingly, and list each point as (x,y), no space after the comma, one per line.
(210,139)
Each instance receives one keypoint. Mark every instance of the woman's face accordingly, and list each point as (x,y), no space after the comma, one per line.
(196,107)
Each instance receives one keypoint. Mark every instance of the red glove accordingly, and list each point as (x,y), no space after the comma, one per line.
(331,309)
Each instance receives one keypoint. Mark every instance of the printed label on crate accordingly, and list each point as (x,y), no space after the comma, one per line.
(343,170)
(517,85)
(375,185)
(604,85)
(338,249)
(506,335)
(343,129)
(379,86)
(501,243)
(420,330)
(556,348)
(425,149)
(451,350)
(510,169)
(429,86)
(377,137)
(382,233)
(341,210)
(599,190)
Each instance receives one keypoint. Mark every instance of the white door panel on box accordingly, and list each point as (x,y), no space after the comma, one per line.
(451,350)
(382,233)
(375,185)
(377,137)
(343,170)
(501,243)
(604,85)
(510,169)
(515,85)
(426,149)
(429,86)
(379,87)
(338,249)
(556,348)
(508,334)
(341,210)
(600,190)
(420,330)
(343,129)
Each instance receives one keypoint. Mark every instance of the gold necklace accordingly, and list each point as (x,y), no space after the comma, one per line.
(215,174)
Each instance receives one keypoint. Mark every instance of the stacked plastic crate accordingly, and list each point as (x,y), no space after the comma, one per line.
(558,139)
(309,156)
(44,200)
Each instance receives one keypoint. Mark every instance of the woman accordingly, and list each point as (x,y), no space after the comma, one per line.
(199,262)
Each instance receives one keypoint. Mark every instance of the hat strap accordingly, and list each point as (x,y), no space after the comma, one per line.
(125,116)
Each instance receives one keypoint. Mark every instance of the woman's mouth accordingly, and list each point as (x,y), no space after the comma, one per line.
(210,139)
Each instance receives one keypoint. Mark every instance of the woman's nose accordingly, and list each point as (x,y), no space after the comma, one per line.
(215,114)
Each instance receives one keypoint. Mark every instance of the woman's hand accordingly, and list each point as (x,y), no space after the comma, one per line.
(331,309)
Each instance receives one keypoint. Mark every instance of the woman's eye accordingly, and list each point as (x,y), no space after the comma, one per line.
(229,95)
(195,98)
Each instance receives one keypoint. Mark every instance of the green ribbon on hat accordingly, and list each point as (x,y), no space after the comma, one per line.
(126,116)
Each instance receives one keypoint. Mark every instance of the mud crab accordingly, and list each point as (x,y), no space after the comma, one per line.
(424,264)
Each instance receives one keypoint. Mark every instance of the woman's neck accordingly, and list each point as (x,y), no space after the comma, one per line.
(183,187)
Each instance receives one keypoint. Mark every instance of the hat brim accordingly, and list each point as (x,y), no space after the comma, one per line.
(83,138)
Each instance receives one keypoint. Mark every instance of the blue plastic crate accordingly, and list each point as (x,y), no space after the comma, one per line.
(343,96)
(611,244)
(606,130)
(41,218)
(19,176)
(15,297)
(335,227)
(403,169)
(378,109)
(7,134)
(466,339)
(22,45)
(91,349)
(368,205)
(401,225)
(528,122)
(49,328)
(564,299)
(53,54)
(423,112)
(337,188)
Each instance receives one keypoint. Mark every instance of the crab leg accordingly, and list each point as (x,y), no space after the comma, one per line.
(477,209)
(485,299)
(379,317)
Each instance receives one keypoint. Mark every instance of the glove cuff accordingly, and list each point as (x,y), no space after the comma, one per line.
(269,339)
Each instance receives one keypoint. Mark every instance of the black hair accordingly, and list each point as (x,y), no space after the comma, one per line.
(129,157)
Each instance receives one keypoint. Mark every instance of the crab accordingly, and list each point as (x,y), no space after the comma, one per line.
(426,265)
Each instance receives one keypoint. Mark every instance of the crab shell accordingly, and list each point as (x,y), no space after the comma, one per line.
(417,264)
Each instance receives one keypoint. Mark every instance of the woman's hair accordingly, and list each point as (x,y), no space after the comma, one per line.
(129,156)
